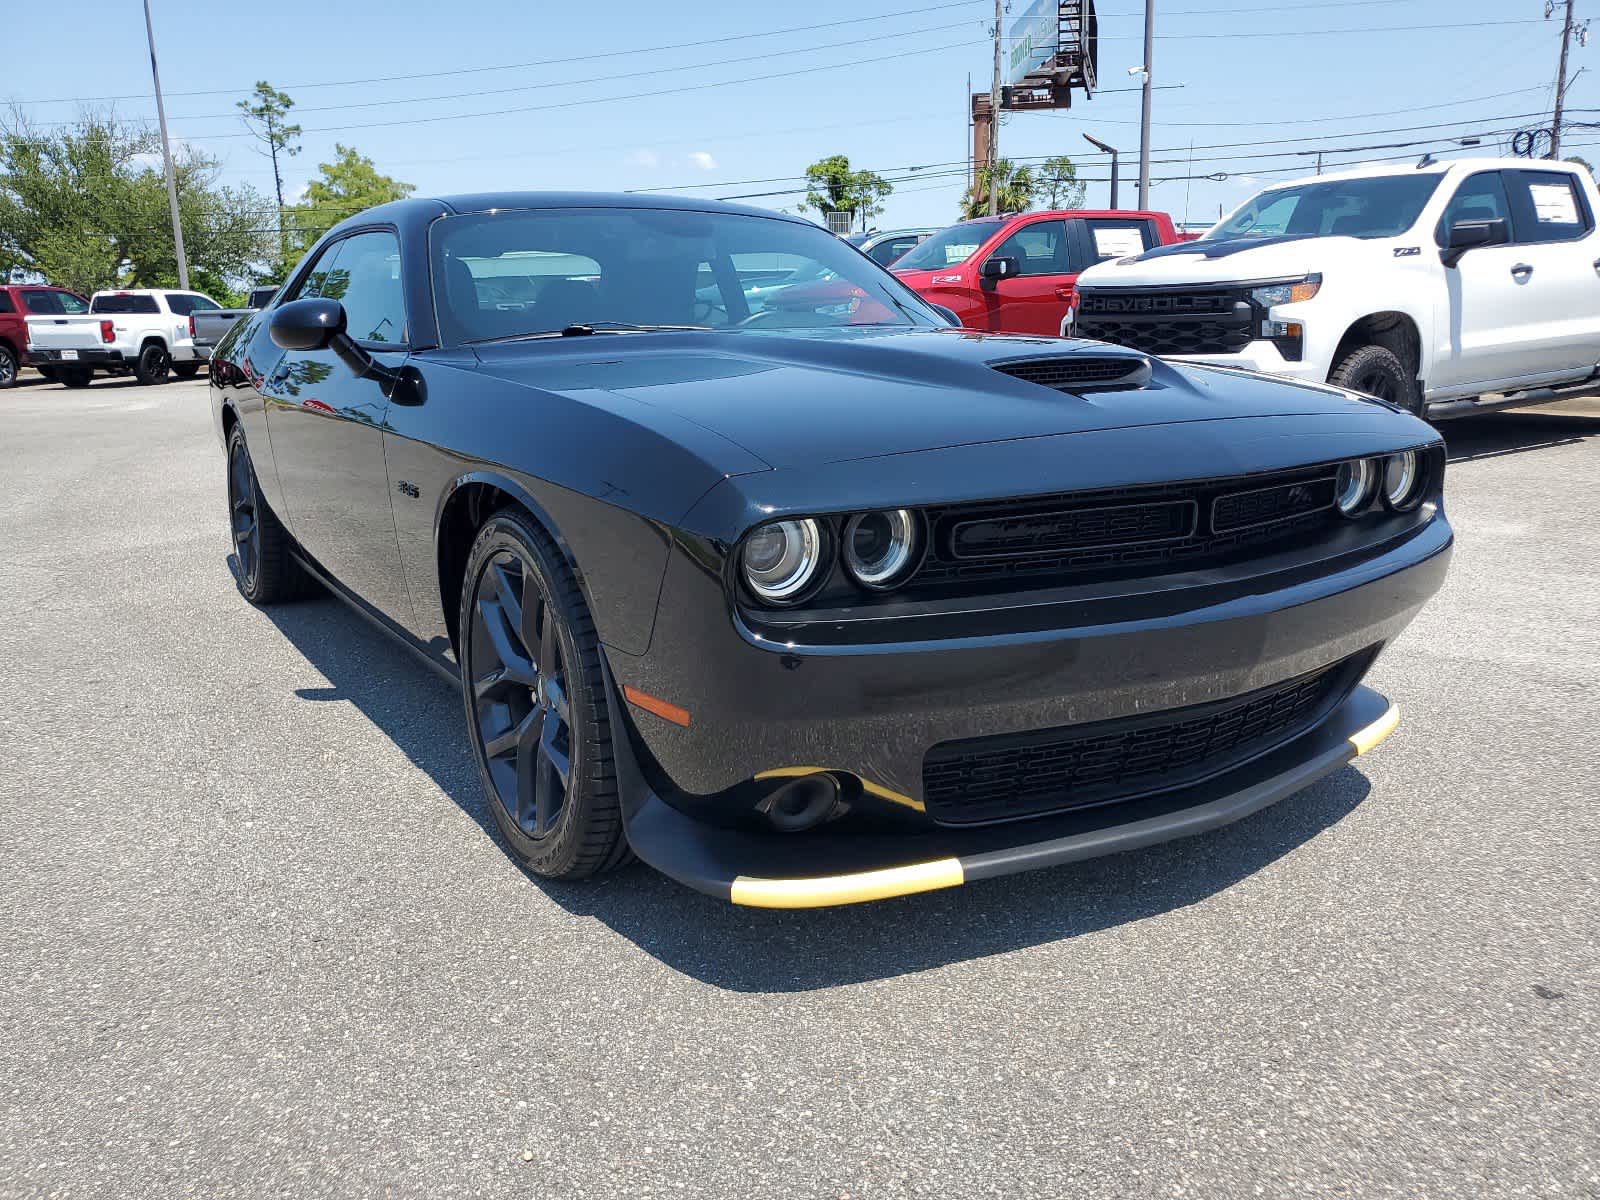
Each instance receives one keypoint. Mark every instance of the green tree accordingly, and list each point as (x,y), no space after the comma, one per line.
(831,186)
(267,118)
(86,207)
(342,188)
(1018,186)
(1058,184)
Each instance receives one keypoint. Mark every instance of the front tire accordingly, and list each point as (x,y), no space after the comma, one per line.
(153,364)
(534,691)
(266,571)
(1376,371)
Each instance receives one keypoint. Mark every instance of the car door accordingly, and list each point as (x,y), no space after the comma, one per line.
(1035,298)
(1484,334)
(1560,249)
(326,425)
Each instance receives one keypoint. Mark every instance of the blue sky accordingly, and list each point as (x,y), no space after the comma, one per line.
(758,105)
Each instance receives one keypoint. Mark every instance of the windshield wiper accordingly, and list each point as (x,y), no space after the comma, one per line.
(586,329)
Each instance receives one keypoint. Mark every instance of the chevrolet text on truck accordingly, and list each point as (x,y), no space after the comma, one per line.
(1445,287)
(150,332)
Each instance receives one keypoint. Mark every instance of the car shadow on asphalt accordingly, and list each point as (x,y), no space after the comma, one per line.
(754,950)
(1515,432)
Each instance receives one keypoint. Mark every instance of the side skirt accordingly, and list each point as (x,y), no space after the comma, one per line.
(444,667)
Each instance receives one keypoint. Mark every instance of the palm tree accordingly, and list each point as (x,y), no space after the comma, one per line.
(1017,186)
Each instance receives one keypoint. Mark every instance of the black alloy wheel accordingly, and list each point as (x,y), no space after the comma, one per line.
(535,702)
(264,567)
(8,367)
(153,365)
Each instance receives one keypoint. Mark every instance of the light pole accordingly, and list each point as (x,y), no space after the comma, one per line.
(1111,150)
(166,154)
(1144,106)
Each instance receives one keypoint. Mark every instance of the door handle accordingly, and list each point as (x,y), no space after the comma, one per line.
(1521,271)
(1597,266)
(1065,293)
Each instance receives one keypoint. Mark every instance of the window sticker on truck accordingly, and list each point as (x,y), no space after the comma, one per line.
(1554,203)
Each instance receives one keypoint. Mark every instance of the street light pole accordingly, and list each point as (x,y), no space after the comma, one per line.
(1111,150)
(1144,110)
(166,154)
(994,117)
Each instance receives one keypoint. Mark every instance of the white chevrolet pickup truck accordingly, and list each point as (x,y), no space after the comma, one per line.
(1447,288)
(149,332)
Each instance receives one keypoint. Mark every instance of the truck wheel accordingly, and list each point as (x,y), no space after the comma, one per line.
(46,372)
(76,377)
(186,370)
(1374,371)
(8,367)
(153,364)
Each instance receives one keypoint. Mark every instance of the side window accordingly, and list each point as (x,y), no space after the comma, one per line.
(5,303)
(365,278)
(1113,237)
(204,304)
(885,253)
(1547,206)
(316,279)
(72,304)
(179,304)
(42,303)
(1039,248)
(1481,197)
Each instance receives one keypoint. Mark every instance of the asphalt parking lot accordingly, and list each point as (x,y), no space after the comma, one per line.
(257,938)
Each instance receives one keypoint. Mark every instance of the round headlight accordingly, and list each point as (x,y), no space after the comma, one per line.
(782,558)
(1352,489)
(879,546)
(1402,480)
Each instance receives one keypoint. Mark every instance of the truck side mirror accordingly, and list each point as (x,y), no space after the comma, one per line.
(1000,267)
(1469,235)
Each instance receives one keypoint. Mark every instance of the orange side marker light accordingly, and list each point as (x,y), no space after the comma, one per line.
(667,712)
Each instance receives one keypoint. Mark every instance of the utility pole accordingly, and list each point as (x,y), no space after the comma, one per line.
(1144,108)
(994,117)
(1561,86)
(166,154)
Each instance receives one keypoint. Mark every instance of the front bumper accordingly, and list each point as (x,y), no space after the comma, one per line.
(760,871)
(1261,356)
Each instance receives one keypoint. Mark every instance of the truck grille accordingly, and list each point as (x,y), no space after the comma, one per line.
(1086,536)
(982,780)
(1169,321)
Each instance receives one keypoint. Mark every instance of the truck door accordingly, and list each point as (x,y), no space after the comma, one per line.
(1557,241)
(1035,299)
(326,426)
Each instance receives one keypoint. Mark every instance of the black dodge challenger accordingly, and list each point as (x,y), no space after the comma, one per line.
(749,564)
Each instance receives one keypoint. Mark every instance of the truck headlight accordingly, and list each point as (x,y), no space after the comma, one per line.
(1292,291)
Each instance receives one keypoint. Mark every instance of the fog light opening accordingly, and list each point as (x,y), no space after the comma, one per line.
(801,804)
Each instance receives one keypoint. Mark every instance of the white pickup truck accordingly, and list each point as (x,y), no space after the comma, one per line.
(147,331)
(1446,287)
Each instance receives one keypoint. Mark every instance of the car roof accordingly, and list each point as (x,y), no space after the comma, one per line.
(484,202)
(1438,167)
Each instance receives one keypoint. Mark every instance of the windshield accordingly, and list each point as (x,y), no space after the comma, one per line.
(949,246)
(522,273)
(1374,207)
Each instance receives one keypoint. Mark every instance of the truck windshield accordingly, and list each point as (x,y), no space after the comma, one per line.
(1375,207)
(949,246)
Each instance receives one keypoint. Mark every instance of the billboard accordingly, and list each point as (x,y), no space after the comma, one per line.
(1034,39)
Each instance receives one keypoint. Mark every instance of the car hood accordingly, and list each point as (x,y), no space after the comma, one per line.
(1233,261)
(808,398)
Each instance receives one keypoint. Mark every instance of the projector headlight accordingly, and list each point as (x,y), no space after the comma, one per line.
(782,559)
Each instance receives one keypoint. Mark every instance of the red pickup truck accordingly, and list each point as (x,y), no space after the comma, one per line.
(1019,273)
(17,303)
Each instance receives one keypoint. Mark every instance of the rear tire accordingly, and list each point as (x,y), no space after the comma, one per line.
(76,377)
(186,370)
(46,373)
(265,571)
(8,367)
(153,364)
(1376,371)
(534,690)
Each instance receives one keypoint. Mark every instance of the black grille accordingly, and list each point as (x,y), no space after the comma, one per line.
(1082,372)
(1097,535)
(1051,770)
(1169,322)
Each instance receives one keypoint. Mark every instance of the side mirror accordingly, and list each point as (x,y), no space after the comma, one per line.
(997,268)
(307,324)
(948,314)
(1469,235)
(319,324)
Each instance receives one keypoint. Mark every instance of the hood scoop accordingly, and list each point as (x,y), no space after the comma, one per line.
(1082,372)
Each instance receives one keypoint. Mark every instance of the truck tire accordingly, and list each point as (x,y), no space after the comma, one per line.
(186,370)
(8,367)
(46,373)
(153,364)
(76,377)
(1376,371)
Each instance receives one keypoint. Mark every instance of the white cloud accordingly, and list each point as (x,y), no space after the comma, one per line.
(298,195)
(644,158)
(703,160)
